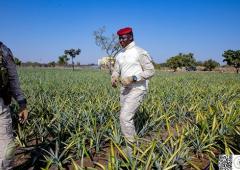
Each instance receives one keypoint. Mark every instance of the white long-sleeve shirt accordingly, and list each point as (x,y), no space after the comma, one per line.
(134,61)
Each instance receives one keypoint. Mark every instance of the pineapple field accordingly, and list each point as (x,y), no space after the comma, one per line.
(185,122)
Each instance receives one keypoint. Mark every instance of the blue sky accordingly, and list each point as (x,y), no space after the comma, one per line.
(40,30)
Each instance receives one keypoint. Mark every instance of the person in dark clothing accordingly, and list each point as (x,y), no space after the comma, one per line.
(9,88)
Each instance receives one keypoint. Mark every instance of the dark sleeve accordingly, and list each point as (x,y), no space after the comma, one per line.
(15,89)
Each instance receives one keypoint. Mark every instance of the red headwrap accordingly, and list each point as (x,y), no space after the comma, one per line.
(124,31)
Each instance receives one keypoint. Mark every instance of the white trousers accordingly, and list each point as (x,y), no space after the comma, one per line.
(130,100)
(7,145)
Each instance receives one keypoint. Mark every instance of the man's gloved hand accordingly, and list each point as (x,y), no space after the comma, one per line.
(23,115)
(127,81)
(114,81)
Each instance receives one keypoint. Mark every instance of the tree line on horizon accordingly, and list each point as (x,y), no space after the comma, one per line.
(111,47)
(179,61)
(231,57)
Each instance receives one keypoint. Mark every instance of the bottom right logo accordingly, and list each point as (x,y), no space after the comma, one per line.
(235,162)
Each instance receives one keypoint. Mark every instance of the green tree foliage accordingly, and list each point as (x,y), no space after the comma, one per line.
(51,64)
(181,60)
(210,64)
(159,65)
(156,65)
(232,58)
(199,63)
(63,59)
(72,52)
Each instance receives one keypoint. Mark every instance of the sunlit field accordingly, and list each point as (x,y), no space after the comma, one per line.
(186,121)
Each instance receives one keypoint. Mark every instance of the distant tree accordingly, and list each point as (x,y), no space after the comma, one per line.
(210,64)
(159,65)
(188,60)
(33,64)
(17,61)
(199,63)
(72,52)
(181,60)
(232,58)
(163,64)
(63,59)
(156,65)
(174,63)
(108,44)
(51,64)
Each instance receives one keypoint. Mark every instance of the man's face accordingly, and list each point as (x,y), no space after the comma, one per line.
(124,40)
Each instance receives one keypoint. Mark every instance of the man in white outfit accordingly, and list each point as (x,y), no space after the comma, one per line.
(133,68)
